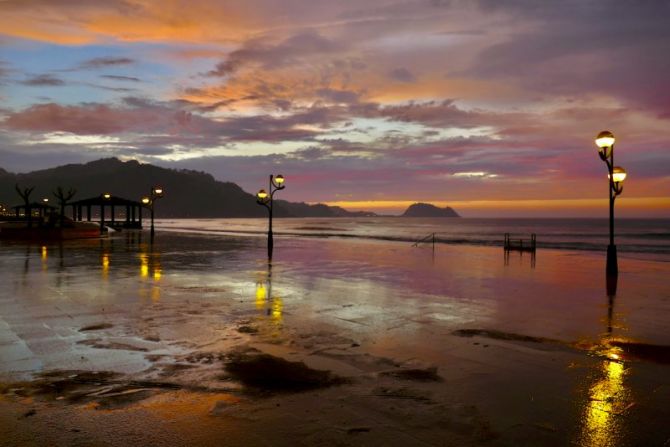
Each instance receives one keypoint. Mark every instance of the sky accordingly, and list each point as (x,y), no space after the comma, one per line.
(488,106)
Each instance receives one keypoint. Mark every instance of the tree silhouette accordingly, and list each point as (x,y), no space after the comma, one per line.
(63,197)
(24,193)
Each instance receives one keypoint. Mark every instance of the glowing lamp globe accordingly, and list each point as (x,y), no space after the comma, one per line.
(262,194)
(618,174)
(106,196)
(145,200)
(279,180)
(605,142)
(158,190)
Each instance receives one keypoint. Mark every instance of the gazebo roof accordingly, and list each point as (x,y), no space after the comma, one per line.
(100,201)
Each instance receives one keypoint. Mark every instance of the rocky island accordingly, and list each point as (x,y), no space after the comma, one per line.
(428,210)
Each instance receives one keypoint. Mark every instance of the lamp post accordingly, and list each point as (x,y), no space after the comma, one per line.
(265,198)
(150,201)
(105,197)
(616,175)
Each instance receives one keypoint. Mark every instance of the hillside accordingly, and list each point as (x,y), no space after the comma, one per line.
(187,193)
(428,210)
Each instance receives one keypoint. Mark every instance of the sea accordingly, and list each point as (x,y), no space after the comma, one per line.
(640,236)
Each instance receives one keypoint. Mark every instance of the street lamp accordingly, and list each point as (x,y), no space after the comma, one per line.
(265,198)
(150,202)
(616,174)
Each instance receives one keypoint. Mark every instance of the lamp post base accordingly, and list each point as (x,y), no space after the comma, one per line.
(612,266)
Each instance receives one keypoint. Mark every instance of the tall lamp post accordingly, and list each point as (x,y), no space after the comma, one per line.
(616,174)
(265,198)
(150,202)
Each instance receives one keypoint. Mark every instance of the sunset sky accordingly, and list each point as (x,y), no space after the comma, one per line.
(488,106)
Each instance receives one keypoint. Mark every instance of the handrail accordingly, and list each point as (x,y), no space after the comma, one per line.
(518,244)
(425,239)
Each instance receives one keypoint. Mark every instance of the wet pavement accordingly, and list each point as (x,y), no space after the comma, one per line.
(367,343)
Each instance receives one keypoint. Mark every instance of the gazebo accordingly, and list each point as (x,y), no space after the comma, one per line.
(132,218)
(43,211)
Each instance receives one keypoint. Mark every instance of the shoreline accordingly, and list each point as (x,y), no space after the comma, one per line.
(450,347)
(447,231)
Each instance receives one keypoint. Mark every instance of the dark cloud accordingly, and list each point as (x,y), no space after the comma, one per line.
(338,96)
(110,89)
(401,75)
(264,53)
(104,62)
(613,48)
(43,80)
(434,113)
(121,78)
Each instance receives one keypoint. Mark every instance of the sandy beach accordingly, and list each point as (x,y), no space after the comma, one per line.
(197,340)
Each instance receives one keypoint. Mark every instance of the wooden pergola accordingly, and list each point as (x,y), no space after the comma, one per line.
(132,218)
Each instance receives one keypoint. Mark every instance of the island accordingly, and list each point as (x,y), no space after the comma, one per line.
(428,210)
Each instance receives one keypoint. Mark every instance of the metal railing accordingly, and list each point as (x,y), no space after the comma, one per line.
(428,239)
(520,244)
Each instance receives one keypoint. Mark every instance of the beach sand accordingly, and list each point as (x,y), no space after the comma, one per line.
(197,340)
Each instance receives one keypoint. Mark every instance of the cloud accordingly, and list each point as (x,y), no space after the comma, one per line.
(121,78)
(401,75)
(607,48)
(43,80)
(263,53)
(104,62)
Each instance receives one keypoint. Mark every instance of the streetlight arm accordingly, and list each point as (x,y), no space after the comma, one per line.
(265,203)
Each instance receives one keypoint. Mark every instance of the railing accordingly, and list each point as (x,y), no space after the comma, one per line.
(520,244)
(428,239)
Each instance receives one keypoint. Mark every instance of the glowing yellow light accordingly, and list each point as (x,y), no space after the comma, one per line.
(106,196)
(619,174)
(144,266)
(605,140)
(45,252)
(105,265)
(261,294)
(45,200)
(262,194)
(146,200)
(277,309)
(279,179)
(157,274)
(607,399)
(158,190)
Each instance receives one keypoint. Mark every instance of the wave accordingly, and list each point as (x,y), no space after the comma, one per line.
(553,241)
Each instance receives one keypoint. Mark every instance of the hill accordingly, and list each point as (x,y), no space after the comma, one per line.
(428,210)
(187,193)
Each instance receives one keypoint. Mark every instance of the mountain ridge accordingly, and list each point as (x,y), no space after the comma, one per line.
(188,193)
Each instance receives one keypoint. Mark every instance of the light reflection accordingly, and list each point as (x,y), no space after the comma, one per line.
(608,396)
(144,265)
(150,269)
(269,303)
(607,402)
(261,295)
(45,256)
(276,311)
(105,265)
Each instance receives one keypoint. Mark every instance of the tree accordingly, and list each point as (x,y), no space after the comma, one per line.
(63,197)
(24,193)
